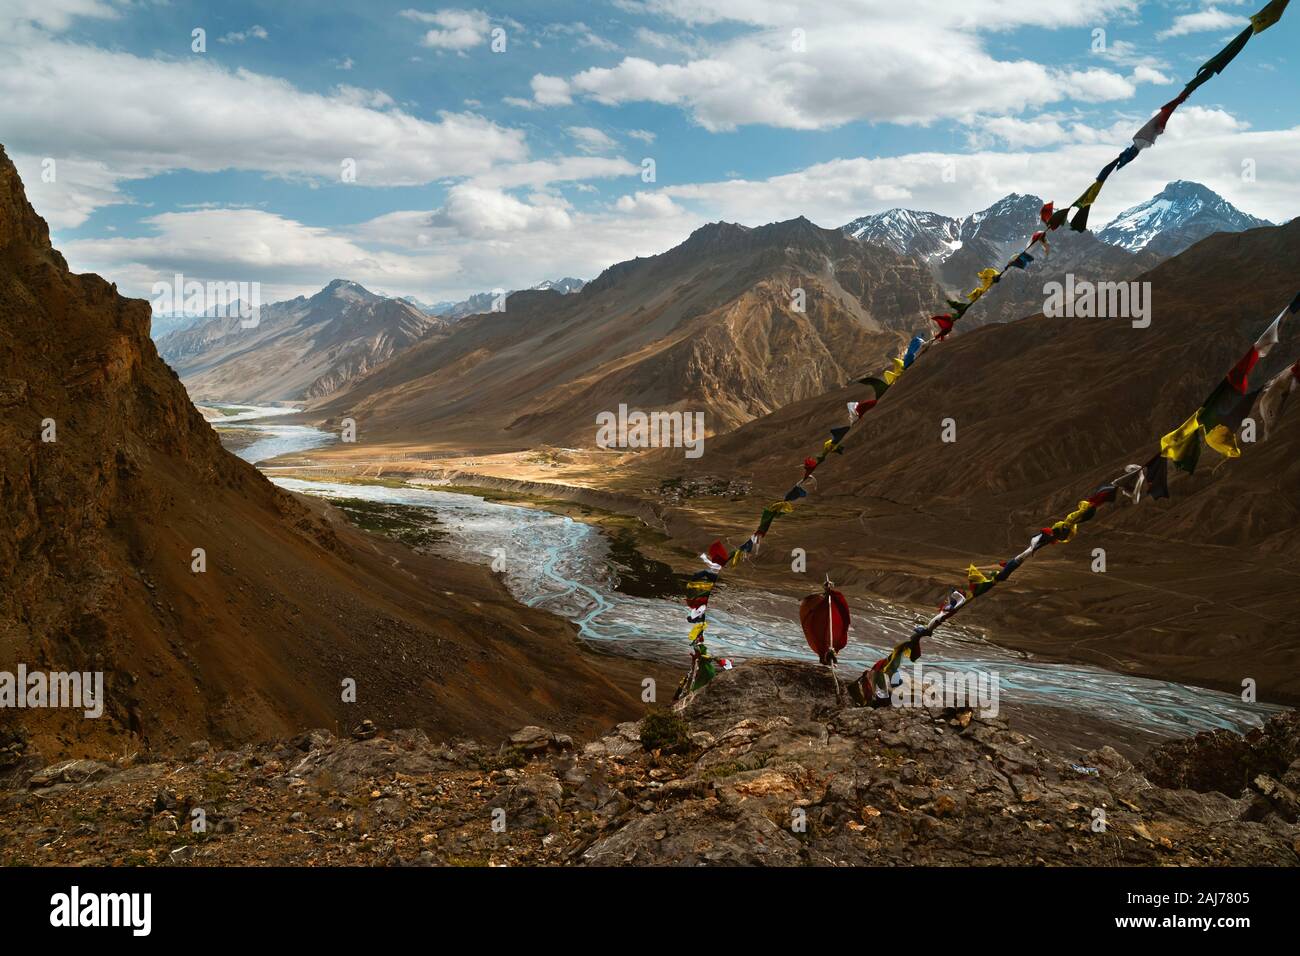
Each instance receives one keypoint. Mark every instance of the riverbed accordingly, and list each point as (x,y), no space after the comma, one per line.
(565,566)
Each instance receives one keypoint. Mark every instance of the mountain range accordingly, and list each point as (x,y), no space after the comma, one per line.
(301,349)
(735,322)
(483,301)
(957,248)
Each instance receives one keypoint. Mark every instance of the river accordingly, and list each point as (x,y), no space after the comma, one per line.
(553,562)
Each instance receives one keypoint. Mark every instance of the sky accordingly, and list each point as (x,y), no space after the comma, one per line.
(438,151)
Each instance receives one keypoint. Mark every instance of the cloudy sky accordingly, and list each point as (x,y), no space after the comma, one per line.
(439,151)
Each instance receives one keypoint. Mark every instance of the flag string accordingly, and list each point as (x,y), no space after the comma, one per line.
(717,557)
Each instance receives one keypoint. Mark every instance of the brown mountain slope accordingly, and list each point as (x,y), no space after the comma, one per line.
(1200,587)
(707,326)
(301,349)
(97,530)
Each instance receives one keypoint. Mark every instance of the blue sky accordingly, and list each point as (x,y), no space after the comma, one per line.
(479,168)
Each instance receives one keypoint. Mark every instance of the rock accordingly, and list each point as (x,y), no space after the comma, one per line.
(365,730)
(198,748)
(165,822)
(182,854)
(534,802)
(72,772)
(538,740)
(1281,798)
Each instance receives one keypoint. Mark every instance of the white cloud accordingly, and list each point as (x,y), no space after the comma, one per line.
(543,172)
(140,116)
(79,188)
(21,16)
(551,90)
(479,239)
(873,60)
(453,29)
(1211,18)
(476,212)
(287,257)
(644,135)
(648,205)
(255,32)
(1204,145)
(1147,74)
(580,32)
(590,139)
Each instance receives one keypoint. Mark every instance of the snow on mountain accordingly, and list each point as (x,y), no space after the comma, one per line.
(909,232)
(1181,214)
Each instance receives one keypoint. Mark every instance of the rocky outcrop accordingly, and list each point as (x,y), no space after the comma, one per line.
(766,767)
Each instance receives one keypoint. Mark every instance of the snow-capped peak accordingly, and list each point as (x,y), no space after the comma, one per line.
(1179,215)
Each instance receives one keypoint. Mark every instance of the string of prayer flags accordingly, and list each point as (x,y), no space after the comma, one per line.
(1151,479)
(1222,413)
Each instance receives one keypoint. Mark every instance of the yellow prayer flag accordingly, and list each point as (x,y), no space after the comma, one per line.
(1089,197)
(895,369)
(1268,16)
(697,630)
(1223,441)
(1180,442)
(699,587)
(986,277)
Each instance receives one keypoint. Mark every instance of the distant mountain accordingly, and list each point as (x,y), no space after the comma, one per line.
(957,248)
(716,325)
(1182,214)
(160,325)
(909,232)
(566,285)
(483,301)
(301,349)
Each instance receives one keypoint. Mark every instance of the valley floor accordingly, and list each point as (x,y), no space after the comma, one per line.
(1198,614)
